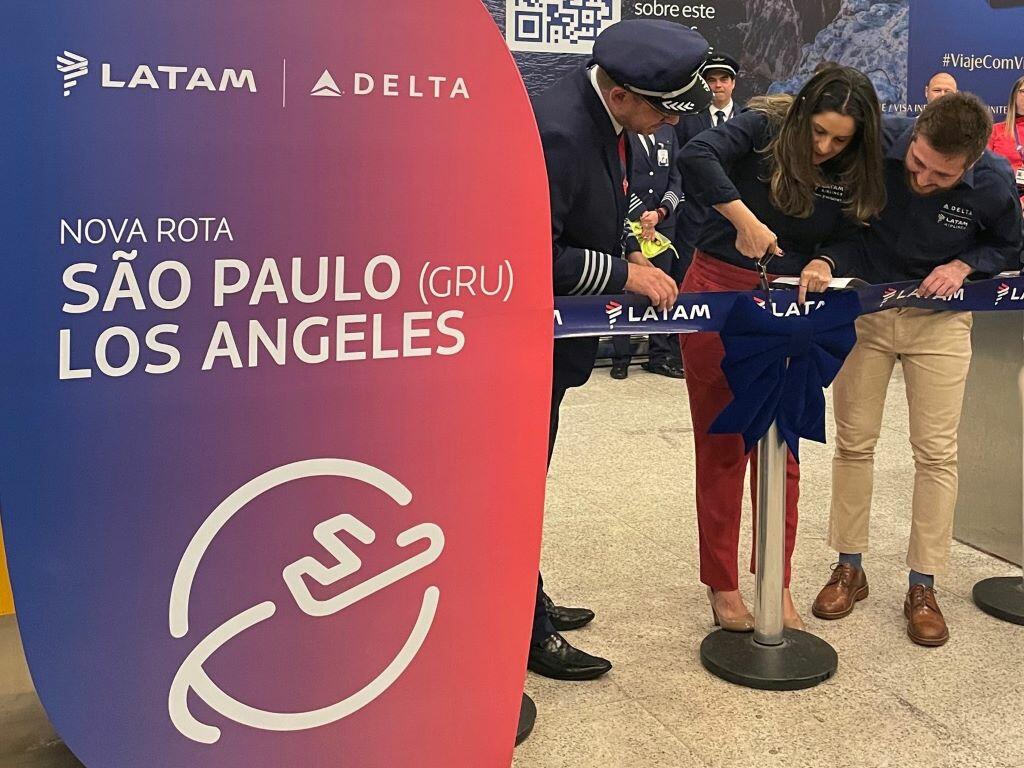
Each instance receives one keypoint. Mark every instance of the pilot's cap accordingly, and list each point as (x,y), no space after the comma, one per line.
(722,62)
(659,61)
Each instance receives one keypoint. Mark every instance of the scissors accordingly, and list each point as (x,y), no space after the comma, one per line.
(762,271)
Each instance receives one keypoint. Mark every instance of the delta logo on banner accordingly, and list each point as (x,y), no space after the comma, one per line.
(274,412)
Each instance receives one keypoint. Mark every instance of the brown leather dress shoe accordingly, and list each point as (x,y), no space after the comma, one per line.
(847,585)
(925,623)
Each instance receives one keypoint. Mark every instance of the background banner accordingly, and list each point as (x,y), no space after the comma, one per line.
(777,42)
(976,41)
(274,402)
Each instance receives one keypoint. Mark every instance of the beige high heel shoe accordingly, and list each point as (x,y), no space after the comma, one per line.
(743,623)
(792,623)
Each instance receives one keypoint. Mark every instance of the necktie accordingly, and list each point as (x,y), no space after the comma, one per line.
(623,167)
(719,117)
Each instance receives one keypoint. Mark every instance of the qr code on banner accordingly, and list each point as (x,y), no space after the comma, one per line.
(558,26)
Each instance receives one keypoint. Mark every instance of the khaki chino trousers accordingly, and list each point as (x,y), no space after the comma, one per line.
(935,350)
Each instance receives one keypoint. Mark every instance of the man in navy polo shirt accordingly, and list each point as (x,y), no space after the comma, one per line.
(952,212)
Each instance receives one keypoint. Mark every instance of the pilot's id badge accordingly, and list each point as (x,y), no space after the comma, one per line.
(1020,177)
(663,160)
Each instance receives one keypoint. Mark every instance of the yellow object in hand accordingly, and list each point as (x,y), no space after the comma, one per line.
(651,248)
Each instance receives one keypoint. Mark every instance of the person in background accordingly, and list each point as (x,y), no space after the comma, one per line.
(1007,139)
(939,85)
(952,211)
(654,193)
(787,179)
(721,72)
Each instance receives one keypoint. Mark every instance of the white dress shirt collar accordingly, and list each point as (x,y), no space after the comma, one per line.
(616,125)
(728,108)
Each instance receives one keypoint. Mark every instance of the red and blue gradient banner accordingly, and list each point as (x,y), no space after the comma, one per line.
(276,350)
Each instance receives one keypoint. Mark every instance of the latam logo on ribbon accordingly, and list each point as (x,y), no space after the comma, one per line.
(613,309)
(1004,291)
(192,677)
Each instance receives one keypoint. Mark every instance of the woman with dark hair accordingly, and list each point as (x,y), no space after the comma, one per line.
(1008,136)
(783,181)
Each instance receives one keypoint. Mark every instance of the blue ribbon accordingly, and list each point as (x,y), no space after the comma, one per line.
(760,336)
(701,312)
(778,367)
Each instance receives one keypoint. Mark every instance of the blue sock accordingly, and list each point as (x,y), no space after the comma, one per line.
(921,578)
(853,559)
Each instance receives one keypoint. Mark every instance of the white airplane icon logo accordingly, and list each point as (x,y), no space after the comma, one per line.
(192,676)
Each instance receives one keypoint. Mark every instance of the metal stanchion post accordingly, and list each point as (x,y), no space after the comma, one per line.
(1003,596)
(769,568)
(772,657)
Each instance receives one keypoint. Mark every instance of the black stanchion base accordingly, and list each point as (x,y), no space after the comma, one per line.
(527,717)
(1002,597)
(802,661)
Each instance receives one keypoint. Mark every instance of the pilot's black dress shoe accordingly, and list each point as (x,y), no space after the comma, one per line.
(555,658)
(620,371)
(664,368)
(565,619)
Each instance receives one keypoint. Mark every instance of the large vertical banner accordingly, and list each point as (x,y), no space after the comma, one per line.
(276,349)
(976,41)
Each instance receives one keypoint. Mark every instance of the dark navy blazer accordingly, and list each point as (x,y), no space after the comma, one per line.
(691,214)
(588,206)
(654,180)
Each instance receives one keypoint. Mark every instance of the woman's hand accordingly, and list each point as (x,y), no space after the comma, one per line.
(754,240)
(649,220)
(814,278)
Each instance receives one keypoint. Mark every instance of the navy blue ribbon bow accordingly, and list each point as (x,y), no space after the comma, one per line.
(758,345)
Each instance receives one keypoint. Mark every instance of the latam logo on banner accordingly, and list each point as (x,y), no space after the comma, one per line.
(251,401)
(162,77)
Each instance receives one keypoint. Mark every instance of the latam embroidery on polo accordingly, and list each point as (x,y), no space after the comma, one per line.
(173,78)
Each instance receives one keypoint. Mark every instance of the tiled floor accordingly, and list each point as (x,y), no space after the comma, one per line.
(620,537)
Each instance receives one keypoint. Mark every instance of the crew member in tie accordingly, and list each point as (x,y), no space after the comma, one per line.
(654,193)
(720,73)
(644,74)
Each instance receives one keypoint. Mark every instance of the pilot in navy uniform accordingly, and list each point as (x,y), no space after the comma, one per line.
(644,74)
(720,73)
(655,189)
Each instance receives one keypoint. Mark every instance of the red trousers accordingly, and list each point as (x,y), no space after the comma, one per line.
(721,460)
